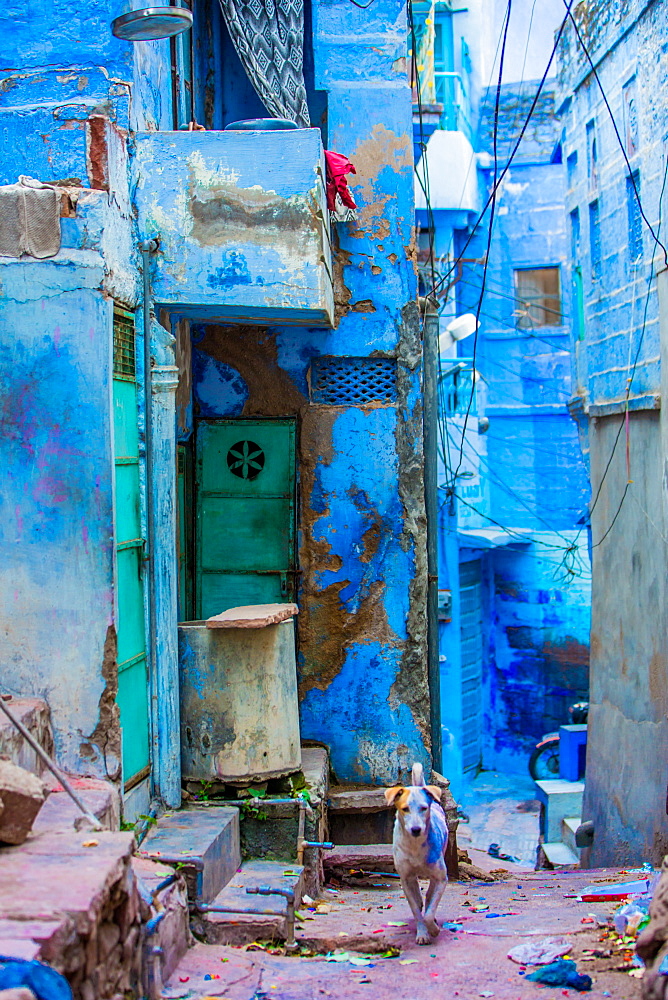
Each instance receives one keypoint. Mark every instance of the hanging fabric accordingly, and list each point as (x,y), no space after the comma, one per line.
(269,38)
(340,202)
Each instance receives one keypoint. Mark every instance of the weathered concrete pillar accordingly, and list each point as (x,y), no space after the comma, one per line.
(164,590)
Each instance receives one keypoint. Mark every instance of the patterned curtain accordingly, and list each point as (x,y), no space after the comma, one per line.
(269,38)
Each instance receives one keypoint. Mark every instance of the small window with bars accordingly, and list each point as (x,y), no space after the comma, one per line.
(353,381)
(124,344)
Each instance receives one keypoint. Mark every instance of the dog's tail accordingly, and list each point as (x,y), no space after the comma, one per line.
(417,774)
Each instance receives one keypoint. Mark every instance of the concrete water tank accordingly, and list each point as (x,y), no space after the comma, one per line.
(239,707)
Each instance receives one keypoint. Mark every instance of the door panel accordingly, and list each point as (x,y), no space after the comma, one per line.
(245,534)
(224,468)
(470,589)
(132,697)
(245,511)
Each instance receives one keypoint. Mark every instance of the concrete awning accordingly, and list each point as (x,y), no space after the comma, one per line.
(492,538)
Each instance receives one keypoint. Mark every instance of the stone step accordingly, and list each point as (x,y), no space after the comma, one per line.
(35,716)
(242,928)
(348,858)
(359,816)
(59,812)
(70,900)
(559,855)
(203,842)
(568,827)
(269,829)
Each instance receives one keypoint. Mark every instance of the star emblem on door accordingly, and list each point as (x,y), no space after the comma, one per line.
(245,459)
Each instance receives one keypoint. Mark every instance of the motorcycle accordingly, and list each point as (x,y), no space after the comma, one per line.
(544,761)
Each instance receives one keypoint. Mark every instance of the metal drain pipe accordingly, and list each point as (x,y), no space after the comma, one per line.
(430,353)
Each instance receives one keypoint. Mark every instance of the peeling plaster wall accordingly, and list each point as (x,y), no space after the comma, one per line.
(362,532)
(56,542)
(362,621)
(624,319)
(66,104)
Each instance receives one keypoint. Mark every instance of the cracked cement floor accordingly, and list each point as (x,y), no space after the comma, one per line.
(468,962)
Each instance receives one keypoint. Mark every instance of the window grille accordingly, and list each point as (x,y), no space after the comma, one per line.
(353,381)
(124,344)
(459,386)
(634,217)
(595,239)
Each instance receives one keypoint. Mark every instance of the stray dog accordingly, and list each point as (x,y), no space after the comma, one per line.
(418,847)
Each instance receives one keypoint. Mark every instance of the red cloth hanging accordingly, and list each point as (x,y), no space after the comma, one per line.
(338,166)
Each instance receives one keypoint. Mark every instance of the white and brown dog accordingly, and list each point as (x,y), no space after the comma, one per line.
(418,847)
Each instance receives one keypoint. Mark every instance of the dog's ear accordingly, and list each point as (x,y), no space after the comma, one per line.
(392,794)
(434,791)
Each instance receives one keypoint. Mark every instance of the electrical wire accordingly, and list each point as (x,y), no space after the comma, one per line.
(517,144)
(490,228)
(516,496)
(655,236)
(629,381)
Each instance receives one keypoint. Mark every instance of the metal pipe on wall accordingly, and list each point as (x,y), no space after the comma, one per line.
(430,353)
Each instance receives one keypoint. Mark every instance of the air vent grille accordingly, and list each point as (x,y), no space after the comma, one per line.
(353,381)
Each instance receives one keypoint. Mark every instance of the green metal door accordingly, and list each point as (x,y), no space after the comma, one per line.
(245,513)
(132,669)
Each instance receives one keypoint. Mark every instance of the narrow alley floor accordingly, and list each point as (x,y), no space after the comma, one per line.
(500,809)
(343,946)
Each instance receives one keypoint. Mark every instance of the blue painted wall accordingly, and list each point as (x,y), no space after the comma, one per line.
(71,99)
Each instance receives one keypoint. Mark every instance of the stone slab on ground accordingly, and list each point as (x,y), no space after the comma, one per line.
(240,928)
(208,834)
(35,716)
(466,963)
(59,812)
(558,855)
(253,616)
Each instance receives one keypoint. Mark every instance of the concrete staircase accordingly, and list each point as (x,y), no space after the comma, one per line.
(224,849)
(77,900)
(561,805)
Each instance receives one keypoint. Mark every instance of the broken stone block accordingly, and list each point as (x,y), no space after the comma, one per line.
(22,795)
(652,943)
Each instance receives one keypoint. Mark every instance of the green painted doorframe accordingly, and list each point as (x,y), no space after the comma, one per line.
(132,697)
(245,486)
